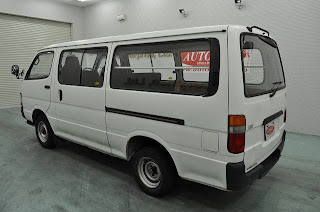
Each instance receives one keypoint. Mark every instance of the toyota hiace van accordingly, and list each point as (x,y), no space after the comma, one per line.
(207,104)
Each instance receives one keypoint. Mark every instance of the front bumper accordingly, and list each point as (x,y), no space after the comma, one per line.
(237,179)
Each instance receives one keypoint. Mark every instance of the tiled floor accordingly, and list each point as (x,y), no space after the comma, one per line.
(75,178)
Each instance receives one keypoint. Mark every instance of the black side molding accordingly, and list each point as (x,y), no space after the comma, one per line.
(272,117)
(145,116)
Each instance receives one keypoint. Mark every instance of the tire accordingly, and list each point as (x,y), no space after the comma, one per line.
(154,171)
(44,132)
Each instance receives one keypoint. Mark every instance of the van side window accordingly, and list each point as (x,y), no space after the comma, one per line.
(70,68)
(83,67)
(180,67)
(158,60)
(41,66)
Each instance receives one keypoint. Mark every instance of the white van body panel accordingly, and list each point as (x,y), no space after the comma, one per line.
(199,146)
(144,35)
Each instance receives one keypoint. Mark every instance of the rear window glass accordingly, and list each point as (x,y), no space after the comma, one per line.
(262,68)
(254,71)
(181,67)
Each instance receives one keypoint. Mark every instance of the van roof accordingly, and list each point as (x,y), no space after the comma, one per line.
(155,34)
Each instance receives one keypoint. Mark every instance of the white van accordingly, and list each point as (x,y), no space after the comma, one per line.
(207,104)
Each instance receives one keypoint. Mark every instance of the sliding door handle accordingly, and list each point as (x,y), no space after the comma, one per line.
(60,95)
(47,86)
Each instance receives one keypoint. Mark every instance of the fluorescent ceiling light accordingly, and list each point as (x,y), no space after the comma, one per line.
(82,0)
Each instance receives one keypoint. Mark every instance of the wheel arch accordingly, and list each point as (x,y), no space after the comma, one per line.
(36,112)
(143,139)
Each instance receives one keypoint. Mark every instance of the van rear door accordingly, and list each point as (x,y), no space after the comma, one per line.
(261,98)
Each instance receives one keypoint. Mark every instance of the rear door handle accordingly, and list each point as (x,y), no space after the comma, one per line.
(47,87)
(60,95)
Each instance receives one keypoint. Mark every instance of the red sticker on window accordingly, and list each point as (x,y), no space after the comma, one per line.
(196,59)
(244,54)
(201,58)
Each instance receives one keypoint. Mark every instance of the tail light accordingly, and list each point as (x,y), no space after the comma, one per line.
(236,137)
(285,116)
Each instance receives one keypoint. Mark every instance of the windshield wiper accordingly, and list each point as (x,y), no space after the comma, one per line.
(274,90)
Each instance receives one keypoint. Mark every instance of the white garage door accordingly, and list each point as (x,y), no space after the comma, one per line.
(20,38)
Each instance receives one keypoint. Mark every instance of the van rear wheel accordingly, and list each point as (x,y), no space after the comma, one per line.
(154,171)
(44,132)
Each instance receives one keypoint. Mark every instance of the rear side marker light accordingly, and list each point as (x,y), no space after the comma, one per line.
(236,136)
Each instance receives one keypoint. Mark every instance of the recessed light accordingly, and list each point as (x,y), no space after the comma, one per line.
(82,0)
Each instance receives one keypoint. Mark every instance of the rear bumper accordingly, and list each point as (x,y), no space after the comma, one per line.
(237,179)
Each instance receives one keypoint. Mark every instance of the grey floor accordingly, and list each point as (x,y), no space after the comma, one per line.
(75,178)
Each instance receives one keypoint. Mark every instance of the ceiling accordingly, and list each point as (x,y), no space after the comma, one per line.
(78,3)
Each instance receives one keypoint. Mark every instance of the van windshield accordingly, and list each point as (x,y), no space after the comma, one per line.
(262,68)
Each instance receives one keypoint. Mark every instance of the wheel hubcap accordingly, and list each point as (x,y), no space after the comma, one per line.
(149,172)
(42,132)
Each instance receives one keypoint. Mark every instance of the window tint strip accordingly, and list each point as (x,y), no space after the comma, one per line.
(146,116)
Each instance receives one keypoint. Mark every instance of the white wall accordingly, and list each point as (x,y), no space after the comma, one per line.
(145,15)
(295,26)
(293,23)
(46,9)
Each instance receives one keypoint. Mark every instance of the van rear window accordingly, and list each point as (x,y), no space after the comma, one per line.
(262,68)
(181,67)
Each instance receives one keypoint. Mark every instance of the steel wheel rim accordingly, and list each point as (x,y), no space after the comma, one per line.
(42,132)
(149,172)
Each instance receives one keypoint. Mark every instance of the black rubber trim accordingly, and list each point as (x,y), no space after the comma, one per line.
(30,123)
(214,74)
(145,116)
(22,113)
(237,179)
(272,117)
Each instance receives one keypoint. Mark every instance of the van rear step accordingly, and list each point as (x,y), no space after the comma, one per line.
(237,179)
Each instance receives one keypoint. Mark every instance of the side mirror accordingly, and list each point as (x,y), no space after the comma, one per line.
(15,70)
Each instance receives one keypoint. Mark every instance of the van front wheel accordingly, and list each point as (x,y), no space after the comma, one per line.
(154,171)
(44,132)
